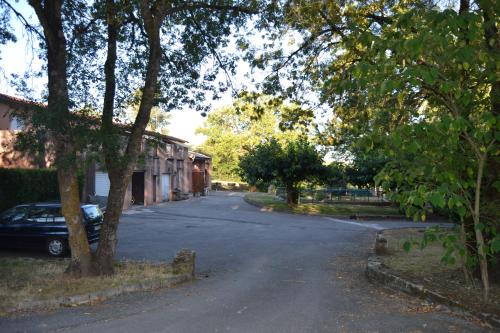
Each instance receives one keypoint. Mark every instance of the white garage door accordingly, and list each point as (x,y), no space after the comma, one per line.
(101,184)
(165,187)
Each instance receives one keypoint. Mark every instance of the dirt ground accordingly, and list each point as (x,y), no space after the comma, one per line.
(27,279)
(425,267)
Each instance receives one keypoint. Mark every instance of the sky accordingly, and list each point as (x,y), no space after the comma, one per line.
(18,57)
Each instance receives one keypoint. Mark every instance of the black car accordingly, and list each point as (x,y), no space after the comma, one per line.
(42,225)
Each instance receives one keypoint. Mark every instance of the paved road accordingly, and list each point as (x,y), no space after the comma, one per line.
(257,272)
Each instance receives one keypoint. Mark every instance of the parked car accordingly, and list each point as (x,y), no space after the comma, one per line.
(42,225)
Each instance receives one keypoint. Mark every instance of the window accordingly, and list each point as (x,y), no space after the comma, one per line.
(180,164)
(39,214)
(16,124)
(169,166)
(14,215)
(168,149)
(92,212)
(56,213)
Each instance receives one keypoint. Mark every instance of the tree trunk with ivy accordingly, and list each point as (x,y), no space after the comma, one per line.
(121,161)
(121,166)
(58,121)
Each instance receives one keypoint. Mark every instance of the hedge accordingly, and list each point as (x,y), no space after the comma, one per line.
(19,186)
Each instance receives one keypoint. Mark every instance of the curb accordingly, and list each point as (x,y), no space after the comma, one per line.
(98,296)
(377,273)
(350,217)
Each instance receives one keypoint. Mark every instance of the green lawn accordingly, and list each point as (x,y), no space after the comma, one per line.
(274,203)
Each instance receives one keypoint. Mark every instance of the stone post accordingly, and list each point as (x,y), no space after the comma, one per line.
(183,263)
(381,245)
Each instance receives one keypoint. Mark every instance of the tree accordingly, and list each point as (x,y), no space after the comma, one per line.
(166,42)
(289,164)
(364,167)
(158,121)
(5,34)
(204,27)
(59,121)
(232,131)
(335,175)
(396,69)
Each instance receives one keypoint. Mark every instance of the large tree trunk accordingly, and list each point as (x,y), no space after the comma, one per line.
(120,168)
(49,15)
(105,255)
(483,260)
(292,195)
(491,195)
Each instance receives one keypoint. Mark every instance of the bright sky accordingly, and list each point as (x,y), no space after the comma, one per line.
(17,58)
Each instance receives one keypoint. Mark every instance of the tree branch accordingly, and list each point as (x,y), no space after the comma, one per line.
(380,19)
(23,20)
(214,53)
(200,5)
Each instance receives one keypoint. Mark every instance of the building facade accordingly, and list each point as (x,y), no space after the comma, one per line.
(164,171)
(201,174)
(10,126)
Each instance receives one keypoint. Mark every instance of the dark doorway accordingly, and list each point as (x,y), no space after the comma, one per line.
(154,188)
(138,188)
(198,182)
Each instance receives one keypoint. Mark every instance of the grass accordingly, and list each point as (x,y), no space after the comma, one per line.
(417,261)
(273,203)
(26,279)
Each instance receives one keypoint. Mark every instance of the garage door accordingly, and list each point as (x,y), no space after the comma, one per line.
(101,184)
(165,187)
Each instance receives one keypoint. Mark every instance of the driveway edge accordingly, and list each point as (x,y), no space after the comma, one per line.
(377,272)
(98,296)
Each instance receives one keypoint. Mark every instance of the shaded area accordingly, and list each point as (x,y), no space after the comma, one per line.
(426,267)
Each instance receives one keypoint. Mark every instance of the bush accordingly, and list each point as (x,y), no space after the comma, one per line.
(19,186)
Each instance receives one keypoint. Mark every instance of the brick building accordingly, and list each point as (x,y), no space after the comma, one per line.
(164,172)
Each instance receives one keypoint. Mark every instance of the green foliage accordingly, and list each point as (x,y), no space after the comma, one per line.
(289,164)
(454,248)
(19,186)
(365,166)
(421,82)
(5,34)
(158,119)
(382,77)
(231,131)
(334,175)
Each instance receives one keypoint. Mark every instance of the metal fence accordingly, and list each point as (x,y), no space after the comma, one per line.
(335,195)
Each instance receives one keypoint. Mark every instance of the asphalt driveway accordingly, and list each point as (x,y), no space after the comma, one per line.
(257,272)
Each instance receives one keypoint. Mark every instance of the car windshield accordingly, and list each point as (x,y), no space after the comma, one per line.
(13,214)
(92,212)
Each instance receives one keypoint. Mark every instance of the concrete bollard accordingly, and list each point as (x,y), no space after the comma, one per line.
(381,247)
(183,263)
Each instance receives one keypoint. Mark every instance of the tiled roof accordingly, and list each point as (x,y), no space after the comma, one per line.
(15,101)
(18,102)
(199,155)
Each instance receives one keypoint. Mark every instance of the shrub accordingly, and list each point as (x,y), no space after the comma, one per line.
(19,186)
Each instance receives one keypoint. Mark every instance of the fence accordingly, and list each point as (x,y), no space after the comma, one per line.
(336,195)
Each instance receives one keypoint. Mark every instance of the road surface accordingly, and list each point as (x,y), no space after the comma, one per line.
(256,272)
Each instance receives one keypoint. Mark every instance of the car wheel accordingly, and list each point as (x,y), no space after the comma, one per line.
(56,247)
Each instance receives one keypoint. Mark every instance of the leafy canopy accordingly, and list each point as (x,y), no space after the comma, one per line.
(232,131)
(289,163)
